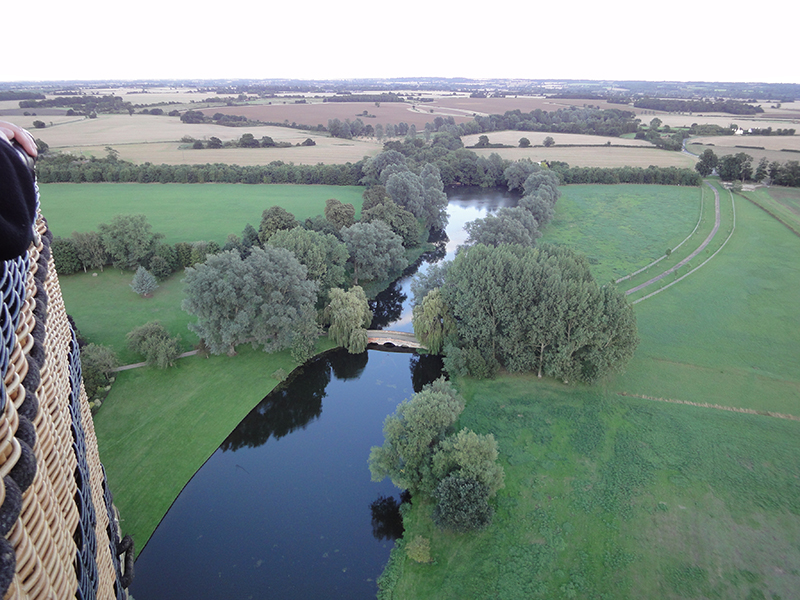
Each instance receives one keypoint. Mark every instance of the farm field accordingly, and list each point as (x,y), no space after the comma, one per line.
(782,203)
(723,120)
(561,139)
(184,212)
(618,498)
(596,156)
(329,151)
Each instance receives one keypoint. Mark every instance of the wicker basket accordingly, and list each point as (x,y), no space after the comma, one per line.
(60,531)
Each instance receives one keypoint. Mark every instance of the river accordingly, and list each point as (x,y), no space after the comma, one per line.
(285,508)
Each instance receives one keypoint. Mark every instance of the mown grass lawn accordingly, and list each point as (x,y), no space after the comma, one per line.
(618,498)
(184,212)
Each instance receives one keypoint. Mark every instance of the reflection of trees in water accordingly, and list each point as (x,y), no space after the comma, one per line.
(290,406)
(425,368)
(347,366)
(387,306)
(387,524)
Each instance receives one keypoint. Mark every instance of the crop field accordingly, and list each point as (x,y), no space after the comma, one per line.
(723,120)
(619,498)
(738,143)
(596,156)
(561,139)
(184,212)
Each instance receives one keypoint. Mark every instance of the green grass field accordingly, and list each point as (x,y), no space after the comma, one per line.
(621,228)
(781,203)
(618,498)
(184,212)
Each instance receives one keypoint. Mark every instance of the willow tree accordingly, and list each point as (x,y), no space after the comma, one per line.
(349,315)
(264,299)
(433,322)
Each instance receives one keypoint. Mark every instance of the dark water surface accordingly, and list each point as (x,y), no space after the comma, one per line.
(285,508)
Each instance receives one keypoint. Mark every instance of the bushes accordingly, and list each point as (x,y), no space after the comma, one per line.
(97,365)
(154,342)
(462,504)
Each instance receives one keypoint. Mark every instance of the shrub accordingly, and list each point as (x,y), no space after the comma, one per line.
(462,504)
(154,342)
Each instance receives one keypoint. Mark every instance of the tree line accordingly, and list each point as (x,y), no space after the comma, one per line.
(739,167)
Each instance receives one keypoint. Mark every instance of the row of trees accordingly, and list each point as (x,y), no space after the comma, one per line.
(64,168)
(733,107)
(739,167)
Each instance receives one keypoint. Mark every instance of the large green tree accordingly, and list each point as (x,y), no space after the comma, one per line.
(264,299)
(374,249)
(339,214)
(412,434)
(129,240)
(349,316)
(535,309)
(90,250)
(399,220)
(708,162)
(507,226)
(433,322)
(274,219)
(322,254)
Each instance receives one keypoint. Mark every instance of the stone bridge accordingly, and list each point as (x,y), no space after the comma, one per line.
(401,339)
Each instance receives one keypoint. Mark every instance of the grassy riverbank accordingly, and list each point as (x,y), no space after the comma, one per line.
(618,498)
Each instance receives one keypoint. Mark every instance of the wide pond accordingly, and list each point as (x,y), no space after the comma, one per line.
(285,508)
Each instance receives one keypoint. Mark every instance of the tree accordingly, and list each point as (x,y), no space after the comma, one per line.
(348,315)
(399,220)
(214,142)
(274,219)
(470,456)
(516,173)
(535,309)
(129,240)
(65,256)
(524,142)
(323,255)
(89,249)
(708,162)
(154,342)
(407,191)
(433,322)
(144,282)
(412,433)
(762,171)
(434,198)
(374,249)
(507,226)
(264,299)
(655,123)
(548,142)
(339,214)
(97,365)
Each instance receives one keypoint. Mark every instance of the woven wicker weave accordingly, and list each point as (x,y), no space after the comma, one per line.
(61,535)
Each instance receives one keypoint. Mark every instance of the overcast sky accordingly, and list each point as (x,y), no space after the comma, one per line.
(682,40)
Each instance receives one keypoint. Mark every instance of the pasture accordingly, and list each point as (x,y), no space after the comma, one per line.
(621,228)
(618,498)
(184,212)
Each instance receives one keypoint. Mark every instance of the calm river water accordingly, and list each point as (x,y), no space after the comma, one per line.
(285,508)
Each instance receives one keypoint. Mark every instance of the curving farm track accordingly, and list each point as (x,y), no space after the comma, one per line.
(714,230)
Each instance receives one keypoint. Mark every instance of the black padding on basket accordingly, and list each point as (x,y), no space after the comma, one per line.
(12,505)
(37,354)
(8,565)
(24,471)
(18,206)
(26,431)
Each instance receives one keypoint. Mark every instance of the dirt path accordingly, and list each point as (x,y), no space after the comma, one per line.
(717,219)
(141,364)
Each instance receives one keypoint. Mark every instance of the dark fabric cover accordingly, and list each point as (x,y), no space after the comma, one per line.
(17,203)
